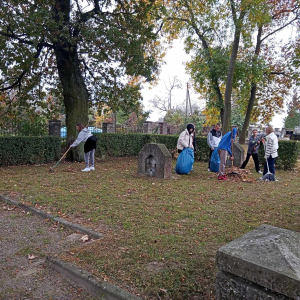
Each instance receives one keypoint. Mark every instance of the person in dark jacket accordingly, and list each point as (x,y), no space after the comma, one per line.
(253,146)
(213,139)
(89,146)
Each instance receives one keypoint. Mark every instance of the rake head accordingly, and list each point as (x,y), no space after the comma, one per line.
(268,177)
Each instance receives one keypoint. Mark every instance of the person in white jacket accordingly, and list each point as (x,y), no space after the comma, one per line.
(271,147)
(213,139)
(89,146)
(185,139)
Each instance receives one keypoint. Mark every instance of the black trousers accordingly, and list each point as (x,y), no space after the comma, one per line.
(210,153)
(255,158)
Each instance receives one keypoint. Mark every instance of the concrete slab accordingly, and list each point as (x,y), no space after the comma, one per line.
(268,256)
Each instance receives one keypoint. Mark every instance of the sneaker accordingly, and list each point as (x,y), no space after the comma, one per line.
(92,169)
(259,172)
(224,177)
(208,170)
(86,170)
(221,178)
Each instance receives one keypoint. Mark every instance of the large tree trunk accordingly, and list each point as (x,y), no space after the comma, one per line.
(74,90)
(229,81)
(253,91)
(75,93)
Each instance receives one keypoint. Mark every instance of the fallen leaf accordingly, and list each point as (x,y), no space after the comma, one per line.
(85,238)
(31,257)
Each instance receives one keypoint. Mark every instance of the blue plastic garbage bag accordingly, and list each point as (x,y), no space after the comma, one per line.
(185,161)
(215,161)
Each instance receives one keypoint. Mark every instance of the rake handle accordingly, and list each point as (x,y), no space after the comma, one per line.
(267,159)
(61,158)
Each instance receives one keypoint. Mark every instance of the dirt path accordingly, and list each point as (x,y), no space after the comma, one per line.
(25,241)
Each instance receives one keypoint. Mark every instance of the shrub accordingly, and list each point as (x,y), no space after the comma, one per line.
(28,150)
(288,152)
(118,144)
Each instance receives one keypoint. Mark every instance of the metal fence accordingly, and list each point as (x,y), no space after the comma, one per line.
(26,128)
(23,128)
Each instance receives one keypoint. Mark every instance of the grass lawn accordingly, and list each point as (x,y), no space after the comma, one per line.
(160,236)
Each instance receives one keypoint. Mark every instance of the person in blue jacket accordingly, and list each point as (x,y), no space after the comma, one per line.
(224,148)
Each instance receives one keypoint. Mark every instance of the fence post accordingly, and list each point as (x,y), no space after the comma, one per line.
(54,127)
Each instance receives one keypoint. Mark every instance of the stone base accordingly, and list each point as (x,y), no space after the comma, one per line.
(268,257)
(230,287)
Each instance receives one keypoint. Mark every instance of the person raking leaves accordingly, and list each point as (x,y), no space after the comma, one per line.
(89,146)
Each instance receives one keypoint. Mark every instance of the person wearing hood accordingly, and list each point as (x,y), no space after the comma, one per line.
(185,139)
(271,147)
(89,146)
(224,148)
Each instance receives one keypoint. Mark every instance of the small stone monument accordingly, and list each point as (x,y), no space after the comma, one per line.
(54,127)
(155,160)
(238,154)
(108,128)
(262,264)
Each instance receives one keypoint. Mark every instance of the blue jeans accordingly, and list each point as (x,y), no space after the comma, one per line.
(271,162)
(89,157)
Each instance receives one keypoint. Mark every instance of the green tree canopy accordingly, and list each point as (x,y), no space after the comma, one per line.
(84,52)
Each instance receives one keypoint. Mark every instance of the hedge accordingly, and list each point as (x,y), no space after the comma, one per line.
(29,150)
(32,150)
(120,144)
(288,153)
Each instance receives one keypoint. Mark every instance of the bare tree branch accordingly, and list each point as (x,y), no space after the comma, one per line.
(23,41)
(17,82)
(278,29)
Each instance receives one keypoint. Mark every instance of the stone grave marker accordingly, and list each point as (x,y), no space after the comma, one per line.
(108,128)
(262,264)
(155,160)
(238,154)
(54,127)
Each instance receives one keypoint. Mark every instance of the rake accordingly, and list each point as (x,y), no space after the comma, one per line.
(268,176)
(52,168)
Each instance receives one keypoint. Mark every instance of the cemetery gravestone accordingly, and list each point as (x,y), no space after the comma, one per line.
(108,128)
(54,127)
(155,160)
(262,264)
(238,154)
